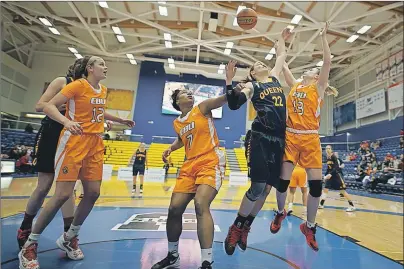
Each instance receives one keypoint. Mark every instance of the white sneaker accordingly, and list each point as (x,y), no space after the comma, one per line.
(133,191)
(70,247)
(141,190)
(320,207)
(28,257)
(350,209)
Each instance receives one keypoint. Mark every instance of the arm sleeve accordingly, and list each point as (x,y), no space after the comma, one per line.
(234,99)
(71,89)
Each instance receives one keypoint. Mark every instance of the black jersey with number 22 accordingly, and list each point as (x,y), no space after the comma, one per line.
(270,103)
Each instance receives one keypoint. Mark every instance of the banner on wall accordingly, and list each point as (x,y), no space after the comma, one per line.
(395,95)
(238,179)
(371,104)
(155,175)
(390,67)
(344,114)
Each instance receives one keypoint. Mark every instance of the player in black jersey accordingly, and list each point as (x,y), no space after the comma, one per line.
(265,146)
(139,166)
(334,180)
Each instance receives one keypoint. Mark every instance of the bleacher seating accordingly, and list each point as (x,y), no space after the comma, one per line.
(242,162)
(119,153)
(155,152)
(10,138)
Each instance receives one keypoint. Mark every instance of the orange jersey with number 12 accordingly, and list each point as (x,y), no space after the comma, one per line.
(197,132)
(86,105)
(304,104)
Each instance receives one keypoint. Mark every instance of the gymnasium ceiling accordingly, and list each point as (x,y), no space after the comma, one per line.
(195,37)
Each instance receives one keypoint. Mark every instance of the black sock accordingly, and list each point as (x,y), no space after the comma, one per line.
(240,220)
(27,222)
(134,187)
(67,222)
(141,186)
(351,204)
(249,221)
(322,202)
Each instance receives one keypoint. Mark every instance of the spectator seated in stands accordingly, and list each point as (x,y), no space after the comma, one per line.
(401,139)
(376,145)
(25,162)
(29,129)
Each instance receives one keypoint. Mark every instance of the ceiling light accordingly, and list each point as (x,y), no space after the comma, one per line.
(290,27)
(169,44)
(220,71)
(170,60)
(296,19)
(227,51)
(272,51)
(116,30)
(332,56)
(73,50)
(45,21)
(240,8)
(34,116)
(78,56)
(269,56)
(352,38)
(54,31)
(364,29)
(229,45)
(320,63)
(167,36)
(222,66)
(130,56)
(132,61)
(103,4)
(163,11)
(121,38)
(162,2)
(172,66)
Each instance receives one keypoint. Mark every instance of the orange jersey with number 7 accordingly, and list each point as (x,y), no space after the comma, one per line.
(304,104)
(197,132)
(86,105)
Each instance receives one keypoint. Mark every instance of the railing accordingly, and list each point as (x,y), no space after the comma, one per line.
(163,139)
(18,125)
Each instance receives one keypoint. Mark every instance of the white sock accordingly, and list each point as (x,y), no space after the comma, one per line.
(290,206)
(73,231)
(173,248)
(310,224)
(33,238)
(323,196)
(206,255)
(281,200)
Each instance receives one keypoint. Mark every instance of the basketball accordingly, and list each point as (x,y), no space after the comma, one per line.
(247,18)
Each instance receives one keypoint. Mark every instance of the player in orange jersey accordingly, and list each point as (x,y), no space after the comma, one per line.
(298,179)
(80,152)
(200,176)
(302,139)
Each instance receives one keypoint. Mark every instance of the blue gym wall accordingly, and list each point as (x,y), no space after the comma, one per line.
(369,132)
(149,99)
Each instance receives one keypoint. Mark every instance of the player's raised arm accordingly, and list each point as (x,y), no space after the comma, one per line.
(54,87)
(280,54)
(236,98)
(325,69)
(177,144)
(290,79)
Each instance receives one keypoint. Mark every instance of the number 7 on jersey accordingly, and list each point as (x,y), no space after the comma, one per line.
(190,137)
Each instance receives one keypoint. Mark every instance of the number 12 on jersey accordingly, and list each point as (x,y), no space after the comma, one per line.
(98,115)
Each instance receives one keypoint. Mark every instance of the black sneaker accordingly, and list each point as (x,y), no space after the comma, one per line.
(170,261)
(206,265)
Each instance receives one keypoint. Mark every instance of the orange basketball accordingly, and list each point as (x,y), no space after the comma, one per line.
(247,18)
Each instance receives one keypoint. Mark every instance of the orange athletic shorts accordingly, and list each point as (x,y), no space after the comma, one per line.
(304,149)
(79,156)
(206,169)
(299,178)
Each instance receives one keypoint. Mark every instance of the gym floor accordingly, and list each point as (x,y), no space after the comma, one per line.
(125,231)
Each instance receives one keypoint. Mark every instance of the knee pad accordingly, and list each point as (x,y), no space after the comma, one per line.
(316,187)
(283,185)
(255,191)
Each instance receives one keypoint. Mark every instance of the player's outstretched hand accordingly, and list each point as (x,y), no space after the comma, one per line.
(166,153)
(109,125)
(286,34)
(74,127)
(231,70)
(129,123)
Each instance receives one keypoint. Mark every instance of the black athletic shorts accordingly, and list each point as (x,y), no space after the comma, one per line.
(138,169)
(264,156)
(46,142)
(336,182)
